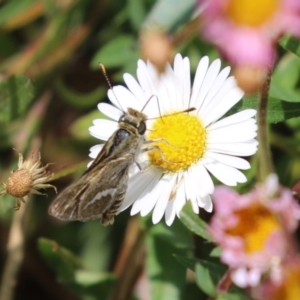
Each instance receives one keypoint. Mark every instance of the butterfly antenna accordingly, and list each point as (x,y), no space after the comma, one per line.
(102,68)
(153,96)
(177,113)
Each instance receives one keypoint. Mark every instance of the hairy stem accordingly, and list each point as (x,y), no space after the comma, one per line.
(264,152)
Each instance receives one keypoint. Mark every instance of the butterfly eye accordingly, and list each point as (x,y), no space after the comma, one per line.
(142,127)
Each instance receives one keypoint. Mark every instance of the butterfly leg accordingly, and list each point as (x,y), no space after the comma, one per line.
(161,154)
(161,140)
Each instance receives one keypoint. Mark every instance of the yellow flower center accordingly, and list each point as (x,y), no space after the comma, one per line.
(251,12)
(290,287)
(255,225)
(181,140)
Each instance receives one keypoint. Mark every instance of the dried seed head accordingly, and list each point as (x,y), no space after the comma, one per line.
(19,183)
(29,178)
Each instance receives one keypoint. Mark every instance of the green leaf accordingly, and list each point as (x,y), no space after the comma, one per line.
(216,270)
(204,280)
(16,94)
(116,53)
(167,276)
(64,262)
(136,13)
(170,14)
(291,44)
(232,296)
(208,274)
(71,271)
(80,100)
(80,128)
(189,262)
(193,222)
(12,8)
(216,252)
(286,72)
(89,278)
(285,78)
(278,110)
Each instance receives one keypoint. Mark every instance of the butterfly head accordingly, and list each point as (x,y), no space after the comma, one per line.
(135,119)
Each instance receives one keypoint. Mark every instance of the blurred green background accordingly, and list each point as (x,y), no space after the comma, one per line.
(50,85)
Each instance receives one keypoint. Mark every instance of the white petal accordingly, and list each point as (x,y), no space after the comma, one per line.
(191,191)
(150,196)
(179,81)
(135,88)
(110,111)
(227,175)
(123,98)
(198,81)
(180,199)
(221,86)
(232,161)
(189,185)
(186,83)
(239,277)
(136,185)
(162,202)
(208,206)
(89,164)
(201,180)
(191,196)
(238,149)
(169,91)
(152,107)
(254,276)
(234,119)
(182,82)
(111,94)
(233,133)
(103,129)
(271,185)
(152,72)
(208,82)
(234,96)
(170,212)
(95,150)
(144,79)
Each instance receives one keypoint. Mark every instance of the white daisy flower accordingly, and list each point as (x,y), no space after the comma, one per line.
(199,143)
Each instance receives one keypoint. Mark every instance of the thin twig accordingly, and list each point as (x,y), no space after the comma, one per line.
(131,261)
(15,250)
(17,235)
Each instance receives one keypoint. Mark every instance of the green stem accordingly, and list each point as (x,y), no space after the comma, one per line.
(264,152)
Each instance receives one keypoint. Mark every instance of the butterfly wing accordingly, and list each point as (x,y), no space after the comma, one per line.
(93,194)
(101,189)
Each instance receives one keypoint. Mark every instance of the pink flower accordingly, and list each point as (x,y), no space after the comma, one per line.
(246,30)
(287,287)
(252,229)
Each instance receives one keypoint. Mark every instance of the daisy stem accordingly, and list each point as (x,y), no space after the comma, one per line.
(264,153)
